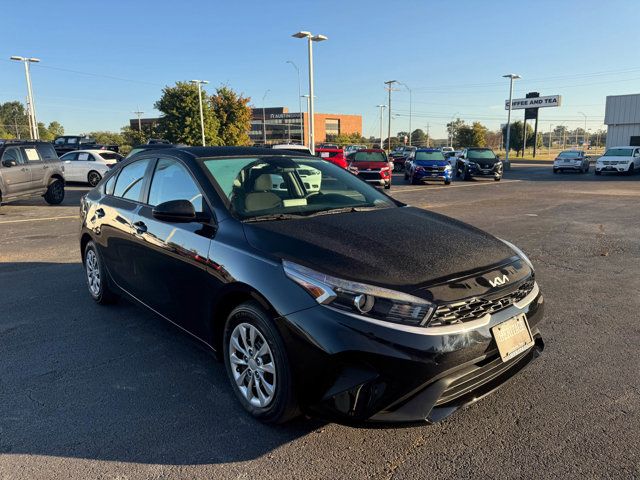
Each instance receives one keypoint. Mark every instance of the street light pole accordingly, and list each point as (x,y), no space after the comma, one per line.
(585,129)
(310,39)
(511,77)
(264,120)
(381,107)
(451,133)
(31,108)
(200,83)
(299,98)
(389,87)
(308,106)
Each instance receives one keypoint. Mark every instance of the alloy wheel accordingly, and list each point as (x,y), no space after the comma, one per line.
(253,365)
(93,272)
(94,178)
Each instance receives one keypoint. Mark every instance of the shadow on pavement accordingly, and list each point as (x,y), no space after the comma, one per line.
(71,198)
(113,383)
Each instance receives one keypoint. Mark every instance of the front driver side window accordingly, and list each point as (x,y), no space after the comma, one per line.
(13,154)
(172,181)
(129,182)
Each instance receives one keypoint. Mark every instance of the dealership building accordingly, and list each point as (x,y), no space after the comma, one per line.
(622,118)
(281,126)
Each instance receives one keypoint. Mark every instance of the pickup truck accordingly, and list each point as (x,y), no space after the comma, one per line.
(69,143)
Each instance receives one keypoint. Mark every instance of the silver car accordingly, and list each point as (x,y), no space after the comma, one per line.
(29,169)
(573,160)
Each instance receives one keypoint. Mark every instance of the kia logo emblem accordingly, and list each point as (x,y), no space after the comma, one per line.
(499,281)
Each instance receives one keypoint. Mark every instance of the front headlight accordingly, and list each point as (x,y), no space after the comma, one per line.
(472,164)
(519,252)
(367,301)
(447,167)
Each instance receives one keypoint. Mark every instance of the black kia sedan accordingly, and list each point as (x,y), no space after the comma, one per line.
(321,294)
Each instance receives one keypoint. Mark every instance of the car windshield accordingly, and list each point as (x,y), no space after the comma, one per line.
(569,155)
(619,152)
(279,188)
(368,157)
(481,154)
(435,155)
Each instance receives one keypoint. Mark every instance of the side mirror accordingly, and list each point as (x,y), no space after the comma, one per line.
(175,211)
(9,163)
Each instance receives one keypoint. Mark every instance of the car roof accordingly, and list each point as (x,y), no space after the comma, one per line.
(370,150)
(624,146)
(428,150)
(92,150)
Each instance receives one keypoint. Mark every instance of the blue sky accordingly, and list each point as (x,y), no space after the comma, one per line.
(103,60)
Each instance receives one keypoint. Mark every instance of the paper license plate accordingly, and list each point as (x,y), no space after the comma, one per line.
(513,337)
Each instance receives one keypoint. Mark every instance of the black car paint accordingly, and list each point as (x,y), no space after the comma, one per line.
(345,369)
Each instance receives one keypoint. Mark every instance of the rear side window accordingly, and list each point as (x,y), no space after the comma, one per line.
(172,181)
(47,152)
(69,156)
(32,154)
(129,182)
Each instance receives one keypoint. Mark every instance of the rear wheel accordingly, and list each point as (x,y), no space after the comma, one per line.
(465,174)
(447,182)
(55,193)
(96,276)
(630,171)
(94,178)
(257,365)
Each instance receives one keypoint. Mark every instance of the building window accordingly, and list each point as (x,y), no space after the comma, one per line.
(332,126)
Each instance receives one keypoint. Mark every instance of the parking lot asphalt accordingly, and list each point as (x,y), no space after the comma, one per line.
(114,392)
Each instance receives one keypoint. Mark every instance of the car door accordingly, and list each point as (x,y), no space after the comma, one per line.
(174,263)
(115,222)
(69,161)
(83,164)
(37,165)
(636,159)
(16,173)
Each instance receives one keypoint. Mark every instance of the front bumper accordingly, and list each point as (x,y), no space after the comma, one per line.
(619,168)
(568,166)
(444,175)
(352,371)
(479,171)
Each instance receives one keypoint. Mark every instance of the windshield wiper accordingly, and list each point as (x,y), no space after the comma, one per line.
(272,217)
(344,210)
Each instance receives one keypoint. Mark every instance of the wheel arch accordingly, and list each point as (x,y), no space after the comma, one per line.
(86,238)
(229,298)
(54,177)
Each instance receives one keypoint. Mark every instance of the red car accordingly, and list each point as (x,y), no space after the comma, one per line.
(372,166)
(333,155)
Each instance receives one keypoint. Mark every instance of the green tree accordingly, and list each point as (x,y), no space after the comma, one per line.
(453,127)
(479,135)
(347,139)
(132,136)
(516,137)
(55,129)
(464,136)
(180,122)
(233,114)
(419,138)
(106,137)
(13,120)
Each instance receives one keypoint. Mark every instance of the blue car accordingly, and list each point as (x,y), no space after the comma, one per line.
(427,164)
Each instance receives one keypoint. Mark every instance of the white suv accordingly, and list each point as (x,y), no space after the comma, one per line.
(619,160)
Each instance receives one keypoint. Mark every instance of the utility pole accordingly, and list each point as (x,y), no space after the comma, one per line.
(410,108)
(139,114)
(584,140)
(428,136)
(511,77)
(550,133)
(389,87)
(299,99)
(381,107)
(200,83)
(15,121)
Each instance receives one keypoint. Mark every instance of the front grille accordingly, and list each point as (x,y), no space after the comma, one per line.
(369,175)
(478,307)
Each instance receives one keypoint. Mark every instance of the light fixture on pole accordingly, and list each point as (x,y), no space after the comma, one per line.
(389,87)
(511,77)
(31,108)
(200,83)
(410,107)
(299,98)
(264,120)
(381,107)
(310,39)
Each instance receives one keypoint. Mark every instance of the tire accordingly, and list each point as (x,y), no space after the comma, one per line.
(586,169)
(465,175)
(447,182)
(630,171)
(597,172)
(96,276)
(457,171)
(280,406)
(406,176)
(387,186)
(93,178)
(555,170)
(55,193)
(497,179)
(413,180)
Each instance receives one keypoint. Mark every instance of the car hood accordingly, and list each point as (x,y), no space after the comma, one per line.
(402,248)
(615,159)
(432,163)
(485,161)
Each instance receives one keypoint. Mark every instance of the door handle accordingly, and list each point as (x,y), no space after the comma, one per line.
(24,169)
(140,227)
(45,167)
(100,213)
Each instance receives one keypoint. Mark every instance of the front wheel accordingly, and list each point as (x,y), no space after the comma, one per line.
(55,193)
(447,182)
(257,365)
(597,172)
(497,179)
(94,178)
(387,186)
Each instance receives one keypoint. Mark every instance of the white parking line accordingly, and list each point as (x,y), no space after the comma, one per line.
(39,219)
(455,186)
